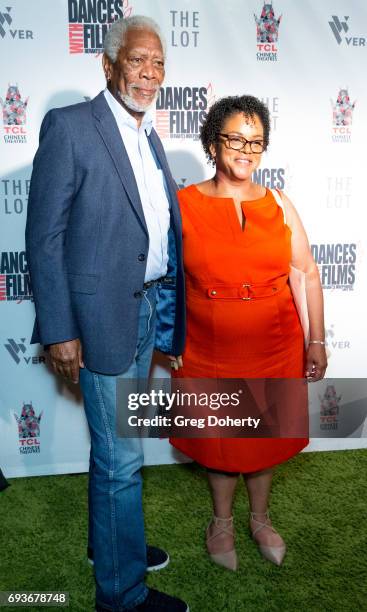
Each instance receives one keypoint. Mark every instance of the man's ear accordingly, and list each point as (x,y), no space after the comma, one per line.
(107,67)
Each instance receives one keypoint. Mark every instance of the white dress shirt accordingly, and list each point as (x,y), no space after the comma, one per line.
(151,185)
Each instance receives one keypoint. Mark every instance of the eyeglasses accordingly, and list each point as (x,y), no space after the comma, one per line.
(237,143)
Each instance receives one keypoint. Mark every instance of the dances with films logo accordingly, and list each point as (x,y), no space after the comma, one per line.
(15,283)
(181,111)
(342,117)
(267,32)
(7,28)
(89,21)
(337,264)
(14,111)
(272,178)
(28,430)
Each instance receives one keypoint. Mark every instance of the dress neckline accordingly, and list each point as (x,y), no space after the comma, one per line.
(228,198)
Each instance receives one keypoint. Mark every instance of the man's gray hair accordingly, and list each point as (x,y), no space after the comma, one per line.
(115,36)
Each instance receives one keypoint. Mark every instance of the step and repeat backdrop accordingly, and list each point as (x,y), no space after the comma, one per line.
(305,60)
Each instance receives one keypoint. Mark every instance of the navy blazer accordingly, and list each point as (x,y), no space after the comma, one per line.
(87,241)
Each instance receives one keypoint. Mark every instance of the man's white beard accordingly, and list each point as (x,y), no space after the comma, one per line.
(129,101)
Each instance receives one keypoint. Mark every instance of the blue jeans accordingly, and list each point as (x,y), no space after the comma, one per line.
(115,483)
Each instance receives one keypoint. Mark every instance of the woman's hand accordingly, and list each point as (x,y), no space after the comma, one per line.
(316,362)
(175,362)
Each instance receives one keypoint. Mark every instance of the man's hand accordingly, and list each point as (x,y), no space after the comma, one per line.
(66,359)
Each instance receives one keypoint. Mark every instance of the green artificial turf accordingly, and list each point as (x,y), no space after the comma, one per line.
(318,505)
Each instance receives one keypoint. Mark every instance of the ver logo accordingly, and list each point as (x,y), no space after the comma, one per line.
(15,348)
(5,26)
(5,18)
(338,26)
(18,351)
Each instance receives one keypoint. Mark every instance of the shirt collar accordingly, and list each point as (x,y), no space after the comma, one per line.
(123,117)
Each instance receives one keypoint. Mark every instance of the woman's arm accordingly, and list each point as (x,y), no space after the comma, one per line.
(303,260)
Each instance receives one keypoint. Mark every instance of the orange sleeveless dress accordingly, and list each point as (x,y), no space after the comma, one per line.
(232,337)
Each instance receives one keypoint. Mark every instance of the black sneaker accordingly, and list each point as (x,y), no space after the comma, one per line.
(157,558)
(157,602)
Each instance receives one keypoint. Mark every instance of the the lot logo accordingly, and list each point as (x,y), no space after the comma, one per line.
(340,27)
(329,408)
(14,195)
(18,352)
(267,31)
(342,117)
(273,107)
(185,28)
(337,265)
(15,284)
(14,111)
(28,430)
(6,21)
(89,20)
(181,111)
(339,192)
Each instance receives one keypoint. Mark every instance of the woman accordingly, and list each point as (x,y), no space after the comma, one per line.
(235,234)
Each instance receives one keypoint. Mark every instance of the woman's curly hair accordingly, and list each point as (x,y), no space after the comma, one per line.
(224,108)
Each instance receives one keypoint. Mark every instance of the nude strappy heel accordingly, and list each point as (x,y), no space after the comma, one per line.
(226,559)
(275,554)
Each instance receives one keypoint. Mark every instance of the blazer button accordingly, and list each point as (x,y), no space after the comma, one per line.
(137,294)
(141,257)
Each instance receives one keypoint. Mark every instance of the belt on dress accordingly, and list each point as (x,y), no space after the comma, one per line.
(242,291)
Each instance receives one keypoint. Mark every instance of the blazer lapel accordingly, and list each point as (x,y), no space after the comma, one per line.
(110,134)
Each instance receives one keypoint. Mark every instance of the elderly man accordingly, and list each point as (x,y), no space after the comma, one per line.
(103,243)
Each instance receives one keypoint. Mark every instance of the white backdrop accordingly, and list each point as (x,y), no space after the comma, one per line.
(310,77)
